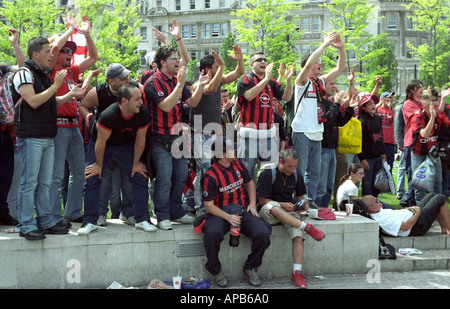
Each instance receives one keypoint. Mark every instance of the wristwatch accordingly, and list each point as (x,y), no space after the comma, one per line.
(180,85)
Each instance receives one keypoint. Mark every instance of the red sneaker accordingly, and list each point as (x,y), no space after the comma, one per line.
(297,280)
(314,233)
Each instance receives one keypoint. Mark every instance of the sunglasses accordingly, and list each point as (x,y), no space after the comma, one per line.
(174,58)
(260,60)
(66,51)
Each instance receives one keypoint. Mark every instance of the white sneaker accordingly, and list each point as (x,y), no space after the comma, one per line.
(165,225)
(101,221)
(87,228)
(127,220)
(186,219)
(146,226)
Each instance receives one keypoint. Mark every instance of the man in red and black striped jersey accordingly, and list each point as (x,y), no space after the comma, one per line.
(255,98)
(229,196)
(425,126)
(165,94)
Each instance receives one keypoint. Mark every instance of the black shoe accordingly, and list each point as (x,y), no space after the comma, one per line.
(58,229)
(33,235)
(77,220)
(8,220)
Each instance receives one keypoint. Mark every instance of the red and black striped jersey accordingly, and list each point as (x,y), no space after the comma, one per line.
(418,122)
(226,185)
(257,113)
(157,88)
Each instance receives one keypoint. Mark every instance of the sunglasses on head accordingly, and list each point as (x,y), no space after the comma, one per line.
(260,60)
(66,51)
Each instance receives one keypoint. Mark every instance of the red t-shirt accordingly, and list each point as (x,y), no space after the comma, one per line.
(387,123)
(70,108)
(419,122)
(410,107)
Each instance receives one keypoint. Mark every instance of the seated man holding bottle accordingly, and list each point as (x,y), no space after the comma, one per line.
(229,196)
(276,188)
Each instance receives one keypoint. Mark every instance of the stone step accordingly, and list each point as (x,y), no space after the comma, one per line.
(428,260)
(433,240)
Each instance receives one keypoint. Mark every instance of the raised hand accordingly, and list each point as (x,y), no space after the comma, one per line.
(237,53)
(269,70)
(204,78)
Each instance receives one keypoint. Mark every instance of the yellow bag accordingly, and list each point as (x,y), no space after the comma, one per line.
(350,137)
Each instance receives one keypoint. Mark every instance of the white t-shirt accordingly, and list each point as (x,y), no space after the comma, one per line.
(306,119)
(348,188)
(390,220)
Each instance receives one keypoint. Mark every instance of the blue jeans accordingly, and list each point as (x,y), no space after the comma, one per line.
(123,154)
(327,175)
(390,155)
(368,182)
(401,173)
(37,173)
(7,169)
(250,150)
(118,190)
(171,175)
(309,158)
(203,158)
(69,146)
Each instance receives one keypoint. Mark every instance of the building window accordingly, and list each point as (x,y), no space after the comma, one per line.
(177,5)
(305,49)
(224,30)
(392,22)
(207,30)
(194,55)
(185,31)
(222,3)
(193,31)
(142,54)
(192,4)
(215,30)
(207,4)
(144,33)
(310,24)
(409,23)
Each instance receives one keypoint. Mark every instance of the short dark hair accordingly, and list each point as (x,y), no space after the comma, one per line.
(304,60)
(254,54)
(162,53)
(125,92)
(412,86)
(206,62)
(35,45)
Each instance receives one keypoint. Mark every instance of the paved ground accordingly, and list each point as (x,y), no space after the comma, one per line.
(435,279)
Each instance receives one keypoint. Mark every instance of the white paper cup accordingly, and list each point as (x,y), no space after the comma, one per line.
(177,282)
(348,209)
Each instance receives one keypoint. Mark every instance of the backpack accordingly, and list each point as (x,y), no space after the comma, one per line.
(6,100)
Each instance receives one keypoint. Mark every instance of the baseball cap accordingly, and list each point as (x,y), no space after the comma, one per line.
(150,57)
(116,70)
(366,99)
(387,95)
(70,44)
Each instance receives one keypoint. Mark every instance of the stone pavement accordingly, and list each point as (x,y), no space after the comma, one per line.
(434,279)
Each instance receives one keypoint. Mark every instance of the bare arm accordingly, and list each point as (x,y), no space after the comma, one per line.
(100,144)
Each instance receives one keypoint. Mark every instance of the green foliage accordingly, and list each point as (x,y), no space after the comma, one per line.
(263,25)
(432,17)
(31,18)
(114,23)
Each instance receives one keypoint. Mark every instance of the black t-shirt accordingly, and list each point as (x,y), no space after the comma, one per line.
(278,191)
(123,129)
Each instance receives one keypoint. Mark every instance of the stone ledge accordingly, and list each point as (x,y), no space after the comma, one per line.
(133,257)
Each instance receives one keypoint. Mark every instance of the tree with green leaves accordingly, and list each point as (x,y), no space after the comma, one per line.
(31,18)
(114,23)
(433,17)
(384,64)
(264,26)
(351,19)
